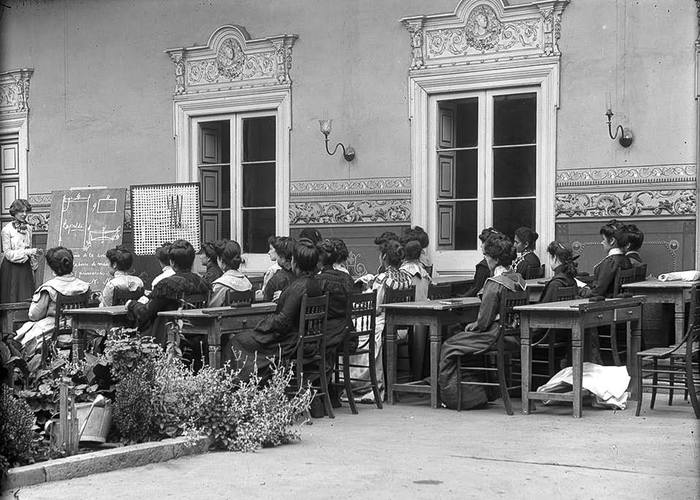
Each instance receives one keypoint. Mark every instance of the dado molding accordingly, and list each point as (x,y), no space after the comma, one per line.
(350,212)
(352,187)
(647,203)
(645,174)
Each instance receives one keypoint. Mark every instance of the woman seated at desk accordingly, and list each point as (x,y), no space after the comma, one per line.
(563,263)
(228,256)
(42,310)
(168,292)
(277,334)
(482,271)
(499,254)
(120,260)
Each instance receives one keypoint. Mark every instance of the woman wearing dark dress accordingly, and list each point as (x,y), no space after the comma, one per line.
(208,258)
(276,335)
(482,271)
(283,277)
(527,264)
(19,262)
(562,262)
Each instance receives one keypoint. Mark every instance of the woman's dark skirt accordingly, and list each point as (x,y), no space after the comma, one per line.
(16,282)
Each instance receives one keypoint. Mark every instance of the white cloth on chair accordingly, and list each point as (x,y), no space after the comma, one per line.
(608,383)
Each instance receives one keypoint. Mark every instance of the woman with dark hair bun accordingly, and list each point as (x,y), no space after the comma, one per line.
(482,271)
(120,260)
(282,277)
(527,263)
(19,262)
(228,254)
(208,259)
(563,263)
(499,254)
(42,310)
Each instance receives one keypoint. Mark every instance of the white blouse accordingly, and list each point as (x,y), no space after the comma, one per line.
(16,246)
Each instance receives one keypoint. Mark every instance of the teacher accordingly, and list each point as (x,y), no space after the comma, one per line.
(18,266)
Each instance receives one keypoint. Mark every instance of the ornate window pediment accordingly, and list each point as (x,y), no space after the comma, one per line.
(485,30)
(230,60)
(14,91)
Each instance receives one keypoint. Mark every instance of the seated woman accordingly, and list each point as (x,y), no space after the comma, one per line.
(276,336)
(168,293)
(391,255)
(499,254)
(120,260)
(274,267)
(42,310)
(339,285)
(228,254)
(163,256)
(278,282)
(421,280)
(209,261)
(418,234)
(527,264)
(614,243)
(482,271)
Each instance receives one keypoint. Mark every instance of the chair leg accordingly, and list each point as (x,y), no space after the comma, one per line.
(347,381)
(459,383)
(690,381)
(502,382)
(640,386)
(654,382)
(373,372)
(551,353)
(671,380)
(323,376)
(613,344)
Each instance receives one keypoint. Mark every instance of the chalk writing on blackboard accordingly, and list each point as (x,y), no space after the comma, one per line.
(74,221)
(107,206)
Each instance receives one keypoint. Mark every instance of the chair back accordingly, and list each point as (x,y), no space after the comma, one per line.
(509,322)
(622,277)
(195,301)
(239,298)
(641,274)
(693,331)
(565,293)
(362,309)
(122,295)
(437,292)
(392,296)
(65,302)
(534,272)
(312,329)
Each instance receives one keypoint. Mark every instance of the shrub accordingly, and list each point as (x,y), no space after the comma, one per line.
(16,434)
(133,408)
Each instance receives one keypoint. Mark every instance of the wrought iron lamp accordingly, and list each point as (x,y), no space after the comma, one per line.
(348,153)
(626,137)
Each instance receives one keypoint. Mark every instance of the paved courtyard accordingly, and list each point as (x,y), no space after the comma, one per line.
(411,451)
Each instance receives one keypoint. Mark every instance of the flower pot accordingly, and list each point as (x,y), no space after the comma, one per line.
(98,423)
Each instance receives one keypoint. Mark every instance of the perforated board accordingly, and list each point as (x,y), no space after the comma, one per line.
(164,212)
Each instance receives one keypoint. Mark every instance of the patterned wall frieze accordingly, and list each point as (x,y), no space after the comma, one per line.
(684,173)
(350,212)
(230,60)
(351,187)
(658,203)
(14,91)
(479,30)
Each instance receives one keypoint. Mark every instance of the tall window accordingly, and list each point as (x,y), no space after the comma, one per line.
(237,166)
(485,165)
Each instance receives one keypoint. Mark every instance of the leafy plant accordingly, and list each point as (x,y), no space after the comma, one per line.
(16,434)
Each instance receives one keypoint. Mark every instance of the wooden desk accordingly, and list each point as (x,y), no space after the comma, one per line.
(214,322)
(94,318)
(458,283)
(12,313)
(666,292)
(576,315)
(535,287)
(434,314)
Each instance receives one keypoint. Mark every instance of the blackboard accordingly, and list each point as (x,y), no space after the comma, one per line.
(89,222)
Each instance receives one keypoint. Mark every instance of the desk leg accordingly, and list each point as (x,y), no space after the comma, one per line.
(577,366)
(679,317)
(214,343)
(525,362)
(632,350)
(435,338)
(390,356)
(75,340)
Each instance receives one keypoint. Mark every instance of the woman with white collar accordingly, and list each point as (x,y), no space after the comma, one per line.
(228,255)
(19,262)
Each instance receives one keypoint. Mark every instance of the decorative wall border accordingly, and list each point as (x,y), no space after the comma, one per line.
(350,212)
(14,91)
(654,203)
(685,173)
(351,187)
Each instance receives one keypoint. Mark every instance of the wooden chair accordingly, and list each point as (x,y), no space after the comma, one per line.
(617,348)
(310,362)
(195,301)
(532,273)
(549,341)
(362,309)
(496,359)
(438,292)
(403,352)
(641,274)
(121,295)
(680,364)
(62,326)
(238,298)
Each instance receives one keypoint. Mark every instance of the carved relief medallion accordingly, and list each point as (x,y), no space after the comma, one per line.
(483,28)
(230,59)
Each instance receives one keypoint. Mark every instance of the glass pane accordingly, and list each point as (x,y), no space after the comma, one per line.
(466,174)
(258,226)
(467,122)
(259,139)
(514,171)
(514,119)
(509,215)
(226,186)
(259,185)
(226,224)
(465,225)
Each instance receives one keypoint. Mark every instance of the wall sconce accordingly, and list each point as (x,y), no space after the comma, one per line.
(626,137)
(348,154)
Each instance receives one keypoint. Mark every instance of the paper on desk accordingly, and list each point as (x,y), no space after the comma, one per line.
(580,283)
(680,276)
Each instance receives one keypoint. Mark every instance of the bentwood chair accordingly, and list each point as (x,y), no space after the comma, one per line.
(496,359)
(616,346)
(310,364)
(122,296)
(62,335)
(676,367)
(549,340)
(362,312)
(238,298)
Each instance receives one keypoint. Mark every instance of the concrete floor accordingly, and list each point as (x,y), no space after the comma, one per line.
(411,451)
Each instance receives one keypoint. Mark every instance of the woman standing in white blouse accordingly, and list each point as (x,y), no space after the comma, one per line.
(19,262)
